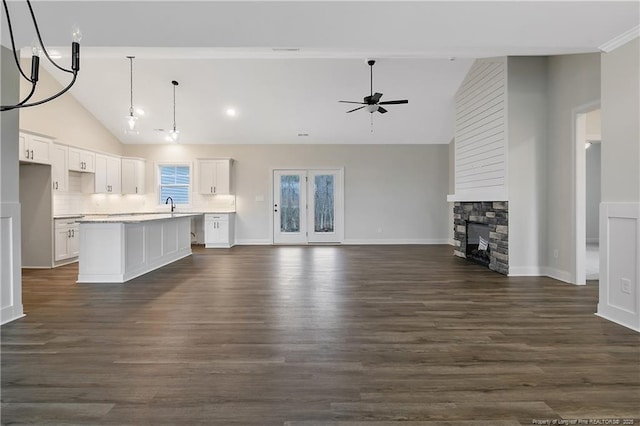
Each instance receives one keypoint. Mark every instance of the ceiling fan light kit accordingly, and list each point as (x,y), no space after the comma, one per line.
(372,102)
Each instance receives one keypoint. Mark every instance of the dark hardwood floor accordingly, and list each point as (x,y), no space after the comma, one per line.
(315,336)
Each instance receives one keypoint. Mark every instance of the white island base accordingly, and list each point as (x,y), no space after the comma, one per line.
(116,250)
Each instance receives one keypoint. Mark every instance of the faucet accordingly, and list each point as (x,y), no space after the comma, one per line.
(173,206)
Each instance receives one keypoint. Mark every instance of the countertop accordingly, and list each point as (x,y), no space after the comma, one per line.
(113,217)
(133,218)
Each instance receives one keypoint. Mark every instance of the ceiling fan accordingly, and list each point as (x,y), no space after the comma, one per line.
(372,102)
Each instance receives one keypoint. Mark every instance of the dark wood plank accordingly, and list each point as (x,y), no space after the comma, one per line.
(323,335)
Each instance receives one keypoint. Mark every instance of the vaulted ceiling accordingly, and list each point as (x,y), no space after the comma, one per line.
(284,65)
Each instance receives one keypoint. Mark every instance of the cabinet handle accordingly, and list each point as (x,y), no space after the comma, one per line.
(136,189)
(32,154)
(214,189)
(211,190)
(69,233)
(73,233)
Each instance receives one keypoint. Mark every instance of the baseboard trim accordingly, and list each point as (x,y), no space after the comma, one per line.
(253,242)
(525,271)
(427,241)
(617,321)
(556,274)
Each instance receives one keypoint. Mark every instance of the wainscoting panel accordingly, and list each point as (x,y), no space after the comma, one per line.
(10,258)
(619,299)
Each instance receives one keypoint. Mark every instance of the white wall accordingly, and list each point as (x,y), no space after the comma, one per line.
(64,119)
(527,136)
(593,192)
(573,81)
(399,188)
(620,210)
(10,259)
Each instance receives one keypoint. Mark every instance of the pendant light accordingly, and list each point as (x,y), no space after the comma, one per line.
(131,118)
(37,49)
(174,134)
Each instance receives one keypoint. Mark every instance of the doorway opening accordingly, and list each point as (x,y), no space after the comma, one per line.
(308,206)
(587,193)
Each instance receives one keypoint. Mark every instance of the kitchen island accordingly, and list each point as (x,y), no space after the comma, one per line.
(116,249)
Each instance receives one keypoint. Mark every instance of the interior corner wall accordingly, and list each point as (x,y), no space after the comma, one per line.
(527,137)
(65,119)
(593,196)
(10,257)
(452,185)
(394,194)
(573,81)
(619,299)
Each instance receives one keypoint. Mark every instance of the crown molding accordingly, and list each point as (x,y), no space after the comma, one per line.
(621,39)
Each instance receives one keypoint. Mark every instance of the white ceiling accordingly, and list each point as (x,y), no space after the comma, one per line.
(222,55)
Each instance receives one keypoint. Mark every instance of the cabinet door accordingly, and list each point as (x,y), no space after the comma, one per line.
(40,149)
(25,154)
(81,161)
(101,175)
(132,176)
(75,161)
(223,177)
(59,169)
(73,246)
(209,231)
(62,237)
(88,161)
(114,177)
(206,176)
(223,232)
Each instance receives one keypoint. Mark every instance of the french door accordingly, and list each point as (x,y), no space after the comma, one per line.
(307,206)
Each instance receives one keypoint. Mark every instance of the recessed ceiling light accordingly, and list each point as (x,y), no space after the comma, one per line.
(231,112)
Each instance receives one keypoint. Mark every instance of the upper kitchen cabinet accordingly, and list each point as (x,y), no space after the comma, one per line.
(59,167)
(133,175)
(35,149)
(214,176)
(106,179)
(81,160)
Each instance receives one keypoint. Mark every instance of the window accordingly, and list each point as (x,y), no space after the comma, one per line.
(175,182)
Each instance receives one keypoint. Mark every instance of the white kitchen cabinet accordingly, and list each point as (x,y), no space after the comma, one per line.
(133,175)
(214,176)
(66,240)
(107,179)
(219,230)
(34,149)
(59,168)
(81,160)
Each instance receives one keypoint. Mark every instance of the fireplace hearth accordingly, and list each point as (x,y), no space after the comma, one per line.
(492,216)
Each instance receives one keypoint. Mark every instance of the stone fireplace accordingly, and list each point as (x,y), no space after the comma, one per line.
(495,215)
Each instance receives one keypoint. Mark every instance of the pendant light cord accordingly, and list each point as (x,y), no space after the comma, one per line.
(175,83)
(131,85)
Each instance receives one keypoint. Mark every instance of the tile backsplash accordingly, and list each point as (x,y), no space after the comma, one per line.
(74,201)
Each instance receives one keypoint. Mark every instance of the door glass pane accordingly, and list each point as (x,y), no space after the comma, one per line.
(323,201)
(290,203)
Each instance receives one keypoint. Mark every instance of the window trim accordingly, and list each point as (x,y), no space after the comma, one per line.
(159,164)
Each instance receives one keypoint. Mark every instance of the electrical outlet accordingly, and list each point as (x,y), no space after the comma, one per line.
(555,253)
(625,285)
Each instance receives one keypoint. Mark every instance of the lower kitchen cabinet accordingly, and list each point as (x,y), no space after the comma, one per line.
(219,230)
(66,240)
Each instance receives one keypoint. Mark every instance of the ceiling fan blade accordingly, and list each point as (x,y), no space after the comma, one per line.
(404,101)
(355,109)
(352,102)
(381,110)
(376,97)
(367,100)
